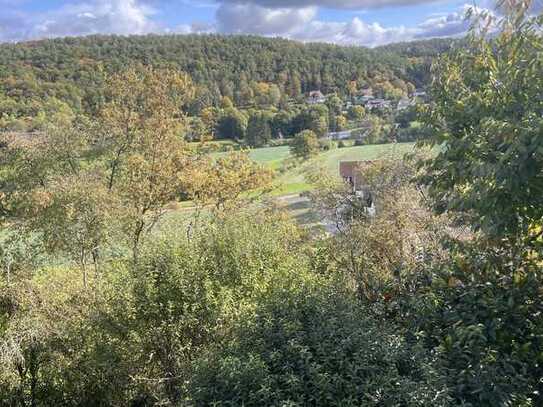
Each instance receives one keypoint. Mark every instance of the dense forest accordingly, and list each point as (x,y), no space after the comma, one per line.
(36,76)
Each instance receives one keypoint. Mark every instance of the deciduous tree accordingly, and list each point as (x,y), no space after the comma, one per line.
(487,121)
(305,145)
(222,182)
(231,124)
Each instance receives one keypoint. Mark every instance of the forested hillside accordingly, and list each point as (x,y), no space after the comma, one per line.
(36,76)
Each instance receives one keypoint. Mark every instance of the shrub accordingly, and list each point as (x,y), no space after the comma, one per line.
(314,346)
(484,314)
(326,145)
(54,349)
(359,142)
(413,133)
(187,292)
(132,337)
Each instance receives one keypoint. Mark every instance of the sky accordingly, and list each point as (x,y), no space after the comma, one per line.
(347,22)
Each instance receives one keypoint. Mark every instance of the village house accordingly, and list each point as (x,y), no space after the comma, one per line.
(362,100)
(379,104)
(316,97)
(352,173)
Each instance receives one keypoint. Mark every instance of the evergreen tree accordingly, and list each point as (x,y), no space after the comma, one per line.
(258,130)
(231,125)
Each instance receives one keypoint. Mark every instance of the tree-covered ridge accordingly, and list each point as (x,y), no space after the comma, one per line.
(34,76)
(427,48)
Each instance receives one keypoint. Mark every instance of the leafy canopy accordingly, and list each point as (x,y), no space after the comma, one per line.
(487,118)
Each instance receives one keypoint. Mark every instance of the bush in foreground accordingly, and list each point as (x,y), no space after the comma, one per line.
(316,346)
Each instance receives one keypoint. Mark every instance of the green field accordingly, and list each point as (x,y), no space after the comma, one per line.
(271,156)
(293,181)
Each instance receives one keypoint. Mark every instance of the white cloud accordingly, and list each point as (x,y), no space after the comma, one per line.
(92,17)
(335,4)
(446,25)
(194,28)
(301,24)
(254,19)
(296,20)
(354,32)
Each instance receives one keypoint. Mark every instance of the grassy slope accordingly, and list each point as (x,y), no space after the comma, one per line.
(271,156)
(293,181)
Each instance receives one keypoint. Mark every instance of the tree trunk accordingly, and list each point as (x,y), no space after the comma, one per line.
(83,268)
(33,370)
(95,260)
(136,241)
